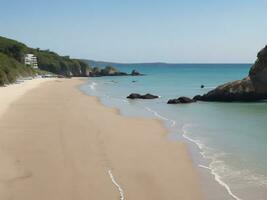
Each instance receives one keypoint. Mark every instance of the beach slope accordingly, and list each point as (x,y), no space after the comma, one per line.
(59,144)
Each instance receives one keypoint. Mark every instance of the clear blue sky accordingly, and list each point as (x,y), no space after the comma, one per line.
(140,30)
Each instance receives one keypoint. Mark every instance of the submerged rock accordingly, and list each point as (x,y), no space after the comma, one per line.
(139,96)
(251,88)
(181,100)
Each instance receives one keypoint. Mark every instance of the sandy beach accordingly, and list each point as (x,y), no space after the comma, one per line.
(59,144)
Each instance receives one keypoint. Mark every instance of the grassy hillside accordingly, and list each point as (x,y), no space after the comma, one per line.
(12,66)
(52,62)
(12,62)
(11,69)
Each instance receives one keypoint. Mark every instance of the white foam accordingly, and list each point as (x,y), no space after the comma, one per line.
(92,85)
(117,185)
(209,87)
(120,99)
(205,167)
(211,167)
(115,98)
(219,180)
(172,122)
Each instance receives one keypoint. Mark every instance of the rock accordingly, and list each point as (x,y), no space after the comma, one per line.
(95,72)
(134,96)
(135,73)
(197,97)
(173,101)
(109,71)
(149,96)
(181,100)
(139,96)
(251,88)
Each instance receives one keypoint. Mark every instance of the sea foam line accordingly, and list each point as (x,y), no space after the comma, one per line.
(92,85)
(161,117)
(200,146)
(217,177)
(117,185)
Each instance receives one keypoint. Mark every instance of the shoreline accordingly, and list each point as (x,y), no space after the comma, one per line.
(200,162)
(80,159)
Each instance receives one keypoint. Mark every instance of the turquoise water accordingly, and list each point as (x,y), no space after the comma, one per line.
(230,138)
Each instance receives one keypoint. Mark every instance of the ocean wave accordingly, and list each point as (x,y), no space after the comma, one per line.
(156,114)
(116,98)
(117,185)
(211,167)
(210,87)
(93,85)
(221,171)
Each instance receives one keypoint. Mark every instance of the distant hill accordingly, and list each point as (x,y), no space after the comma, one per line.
(152,64)
(103,64)
(12,54)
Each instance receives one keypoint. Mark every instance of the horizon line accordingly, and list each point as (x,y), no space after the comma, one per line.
(167,63)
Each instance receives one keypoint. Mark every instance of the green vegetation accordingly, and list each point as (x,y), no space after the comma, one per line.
(11,69)
(52,62)
(12,65)
(11,59)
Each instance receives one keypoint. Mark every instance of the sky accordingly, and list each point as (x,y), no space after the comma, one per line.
(174,31)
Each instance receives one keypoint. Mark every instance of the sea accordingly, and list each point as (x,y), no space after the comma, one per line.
(227,141)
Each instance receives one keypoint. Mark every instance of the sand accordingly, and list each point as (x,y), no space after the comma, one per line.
(14,91)
(59,144)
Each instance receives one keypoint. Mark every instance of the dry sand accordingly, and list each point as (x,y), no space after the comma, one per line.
(59,144)
(14,91)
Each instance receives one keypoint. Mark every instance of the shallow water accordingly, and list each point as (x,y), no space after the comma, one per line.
(228,140)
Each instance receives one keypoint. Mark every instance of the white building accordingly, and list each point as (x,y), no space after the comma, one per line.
(31,60)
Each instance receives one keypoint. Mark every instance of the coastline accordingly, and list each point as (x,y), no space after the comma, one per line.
(213,186)
(69,145)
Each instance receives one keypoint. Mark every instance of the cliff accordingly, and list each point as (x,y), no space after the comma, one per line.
(251,88)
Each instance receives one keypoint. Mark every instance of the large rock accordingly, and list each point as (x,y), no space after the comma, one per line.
(110,71)
(181,100)
(251,88)
(139,96)
(135,73)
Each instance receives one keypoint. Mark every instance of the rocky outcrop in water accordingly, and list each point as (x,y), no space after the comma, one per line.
(251,88)
(181,100)
(135,73)
(107,71)
(110,71)
(139,96)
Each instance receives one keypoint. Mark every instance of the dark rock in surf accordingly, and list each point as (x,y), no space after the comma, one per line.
(139,96)
(181,100)
(197,97)
(135,73)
